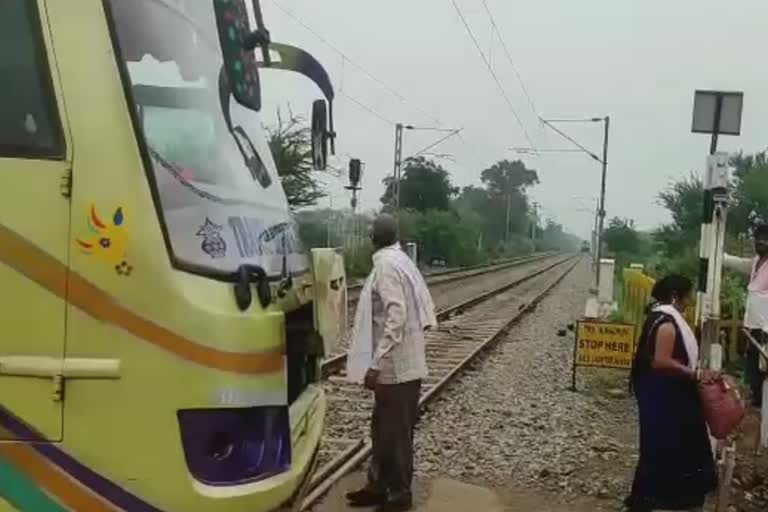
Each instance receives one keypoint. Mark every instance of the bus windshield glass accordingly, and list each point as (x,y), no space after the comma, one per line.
(219,193)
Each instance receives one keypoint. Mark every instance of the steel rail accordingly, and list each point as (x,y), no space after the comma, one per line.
(350,458)
(333,364)
(485,268)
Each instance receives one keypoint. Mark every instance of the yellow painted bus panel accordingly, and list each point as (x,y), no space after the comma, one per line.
(34,218)
(180,341)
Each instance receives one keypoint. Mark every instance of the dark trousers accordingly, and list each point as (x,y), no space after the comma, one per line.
(395,412)
(754,376)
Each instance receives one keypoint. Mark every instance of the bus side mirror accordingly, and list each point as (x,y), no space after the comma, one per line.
(320,135)
(237,45)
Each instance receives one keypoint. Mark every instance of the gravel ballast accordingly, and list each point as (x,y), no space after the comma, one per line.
(512,419)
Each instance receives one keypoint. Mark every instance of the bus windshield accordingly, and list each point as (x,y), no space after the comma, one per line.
(219,193)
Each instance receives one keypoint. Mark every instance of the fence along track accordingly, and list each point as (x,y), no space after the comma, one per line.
(335,362)
(450,349)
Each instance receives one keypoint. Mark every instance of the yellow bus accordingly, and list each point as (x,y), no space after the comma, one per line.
(162,324)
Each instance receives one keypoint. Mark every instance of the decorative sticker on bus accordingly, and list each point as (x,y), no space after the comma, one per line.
(107,240)
(213,243)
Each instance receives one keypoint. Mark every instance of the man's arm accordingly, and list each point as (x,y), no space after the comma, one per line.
(742,265)
(389,286)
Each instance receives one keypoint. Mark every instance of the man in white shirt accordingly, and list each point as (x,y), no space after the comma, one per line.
(401,310)
(756,314)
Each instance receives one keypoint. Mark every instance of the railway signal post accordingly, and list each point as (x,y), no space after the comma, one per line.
(715,113)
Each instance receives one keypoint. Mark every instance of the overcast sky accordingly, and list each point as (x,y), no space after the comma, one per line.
(637,61)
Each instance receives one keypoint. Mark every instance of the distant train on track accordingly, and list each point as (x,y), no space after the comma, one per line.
(585,246)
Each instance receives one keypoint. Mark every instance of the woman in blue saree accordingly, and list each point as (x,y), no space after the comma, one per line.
(676,468)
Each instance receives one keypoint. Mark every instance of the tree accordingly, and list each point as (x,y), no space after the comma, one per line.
(750,192)
(503,193)
(506,183)
(625,244)
(291,145)
(440,234)
(505,176)
(555,238)
(475,206)
(621,237)
(338,228)
(424,185)
(684,200)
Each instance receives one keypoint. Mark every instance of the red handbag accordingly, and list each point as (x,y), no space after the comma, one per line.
(723,407)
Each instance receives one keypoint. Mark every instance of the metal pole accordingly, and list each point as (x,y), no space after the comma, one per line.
(509,200)
(708,306)
(398,169)
(713,220)
(328,224)
(260,25)
(716,131)
(594,234)
(601,213)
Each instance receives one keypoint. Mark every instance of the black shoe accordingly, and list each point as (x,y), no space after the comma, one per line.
(398,502)
(366,497)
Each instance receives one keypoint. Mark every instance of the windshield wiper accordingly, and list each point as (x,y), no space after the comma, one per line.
(244,276)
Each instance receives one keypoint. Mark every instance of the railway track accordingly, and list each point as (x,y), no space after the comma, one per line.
(450,276)
(483,321)
(445,294)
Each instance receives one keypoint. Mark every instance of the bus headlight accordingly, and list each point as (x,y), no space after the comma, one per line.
(235,446)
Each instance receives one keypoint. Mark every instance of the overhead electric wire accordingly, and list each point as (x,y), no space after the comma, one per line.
(571,140)
(493,73)
(353,63)
(436,143)
(346,59)
(368,109)
(509,58)
(531,150)
(575,120)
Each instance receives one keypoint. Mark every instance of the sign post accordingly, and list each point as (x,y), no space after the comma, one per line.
(603,345)
(715,113)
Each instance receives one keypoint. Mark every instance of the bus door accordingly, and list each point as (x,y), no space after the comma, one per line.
(330,304)
(35,180)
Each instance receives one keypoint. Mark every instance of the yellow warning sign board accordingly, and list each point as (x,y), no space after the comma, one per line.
(604,345)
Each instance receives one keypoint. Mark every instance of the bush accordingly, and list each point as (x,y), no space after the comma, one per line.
(441,234)
(358,262)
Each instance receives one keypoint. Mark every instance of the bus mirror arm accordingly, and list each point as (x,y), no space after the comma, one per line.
(296,60)
(244,277)
(257,38)
(332,130)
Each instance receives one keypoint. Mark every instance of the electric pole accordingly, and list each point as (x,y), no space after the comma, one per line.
(601,220)
(509,207)
(398,165)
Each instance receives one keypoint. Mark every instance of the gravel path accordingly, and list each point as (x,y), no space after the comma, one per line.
(350,406)
(513,422)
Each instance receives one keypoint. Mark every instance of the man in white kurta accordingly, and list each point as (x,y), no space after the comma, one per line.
(400,311)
